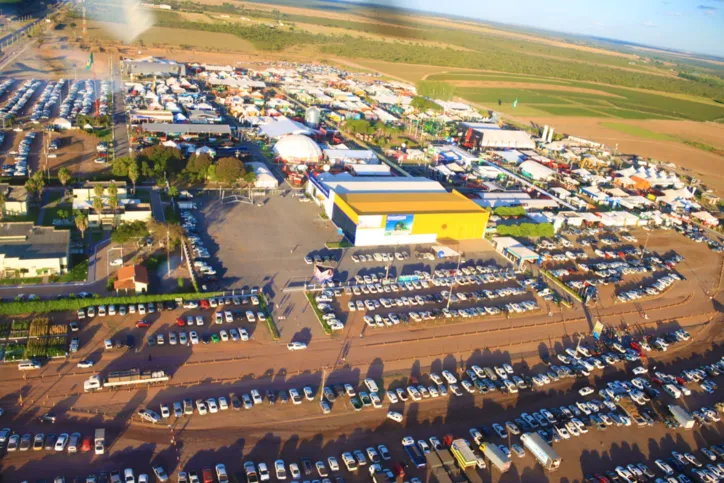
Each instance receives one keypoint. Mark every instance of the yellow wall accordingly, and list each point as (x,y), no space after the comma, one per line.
(346,209)
(458,226)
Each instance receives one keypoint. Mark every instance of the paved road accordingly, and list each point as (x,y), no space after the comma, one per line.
(120,129)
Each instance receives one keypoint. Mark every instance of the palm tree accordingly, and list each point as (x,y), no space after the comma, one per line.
(81,222)
(64,176)
(113,204)
(133,173)
(98,208)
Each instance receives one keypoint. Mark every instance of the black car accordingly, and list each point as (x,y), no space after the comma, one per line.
(271,396)
(676,464)
(47,418)
(612,476)
(307,466)
(235,401)
(283,397)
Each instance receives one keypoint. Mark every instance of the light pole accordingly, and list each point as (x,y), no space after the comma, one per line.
(460,260)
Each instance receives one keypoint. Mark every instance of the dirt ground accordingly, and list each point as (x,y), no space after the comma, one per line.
(77,152)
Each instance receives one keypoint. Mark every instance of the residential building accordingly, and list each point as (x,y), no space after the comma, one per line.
(132,278)
(32,251)
(128,210)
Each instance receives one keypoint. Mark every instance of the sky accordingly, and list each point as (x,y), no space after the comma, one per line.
(685,25)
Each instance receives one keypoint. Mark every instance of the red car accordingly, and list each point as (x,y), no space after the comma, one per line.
(680,381)
(180,322)
(208,475)
(204,304)
(86,446)
(657,381)
(398,470)
(636,346)
(142,324)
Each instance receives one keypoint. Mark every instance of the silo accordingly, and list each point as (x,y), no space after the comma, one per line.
(550,135)
(545,133)
(311,117)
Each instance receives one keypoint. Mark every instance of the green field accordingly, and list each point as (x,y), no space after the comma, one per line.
(569,111)
(639,131)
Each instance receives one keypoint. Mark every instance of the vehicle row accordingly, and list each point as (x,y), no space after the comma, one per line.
(49,98)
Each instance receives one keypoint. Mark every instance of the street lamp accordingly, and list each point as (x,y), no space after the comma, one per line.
(460,260)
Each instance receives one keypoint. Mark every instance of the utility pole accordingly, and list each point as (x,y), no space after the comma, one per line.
(324,382)
(460,259)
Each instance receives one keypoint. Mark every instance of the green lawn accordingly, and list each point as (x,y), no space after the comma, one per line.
(569,111)
(639,131)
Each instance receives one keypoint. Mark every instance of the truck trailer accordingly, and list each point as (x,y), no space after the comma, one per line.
(682,416)
(120,379)
(496,456)
(542,451)
(463,454)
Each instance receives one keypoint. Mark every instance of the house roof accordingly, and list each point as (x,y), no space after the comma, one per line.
(129,275)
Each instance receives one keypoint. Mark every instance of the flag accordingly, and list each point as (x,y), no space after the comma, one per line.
(89,64)
(515,102)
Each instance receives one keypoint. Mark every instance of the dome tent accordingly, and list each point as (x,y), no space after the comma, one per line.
(297,148)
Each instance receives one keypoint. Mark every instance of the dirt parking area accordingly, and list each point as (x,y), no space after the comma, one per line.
(77,153)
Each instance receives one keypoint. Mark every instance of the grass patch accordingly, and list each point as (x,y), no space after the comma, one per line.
(313,303)
(21,281)
(568,111)
(638,131)
(14,351)
(79,272)
(702,146)
(339,244)
(152,263)
(324,216)
(270,324)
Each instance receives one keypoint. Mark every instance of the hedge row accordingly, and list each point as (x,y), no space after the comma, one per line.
(42,306)
(273,330)
(319,314)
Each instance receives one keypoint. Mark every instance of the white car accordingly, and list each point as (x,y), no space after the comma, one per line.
(449,377)
(280,470)
(264,472)
(296,346)
(117,262)
(395,416)
(585,391)
(333,465)
(213,408)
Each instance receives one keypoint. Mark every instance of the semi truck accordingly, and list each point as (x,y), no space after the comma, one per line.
(542,451)
(682,416)
(463,454)
(100,441)
(413,452)
(496,456)
(121,379)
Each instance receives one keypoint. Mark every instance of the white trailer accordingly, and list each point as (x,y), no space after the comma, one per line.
(119,379)
(682,416)
(542,451)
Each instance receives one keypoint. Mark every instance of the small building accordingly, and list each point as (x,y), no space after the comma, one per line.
(152,66)
(128,209)
(536,171)
(16,200)
(515,251)
(132,278)
(32,251)
(264,178)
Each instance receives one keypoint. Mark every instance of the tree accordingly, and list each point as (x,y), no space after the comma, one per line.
(112,189)
(98,190)
(133,173)
(161,161)
(64,176)
(35,184)
(98,208)
(422,104)
(198,166)
(120,166)
(2,204)
(81,222)
(229,170)
(161,231)
(129,231)
(173,192)
(250,177)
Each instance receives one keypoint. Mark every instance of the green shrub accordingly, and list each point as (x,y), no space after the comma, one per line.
(43,306)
